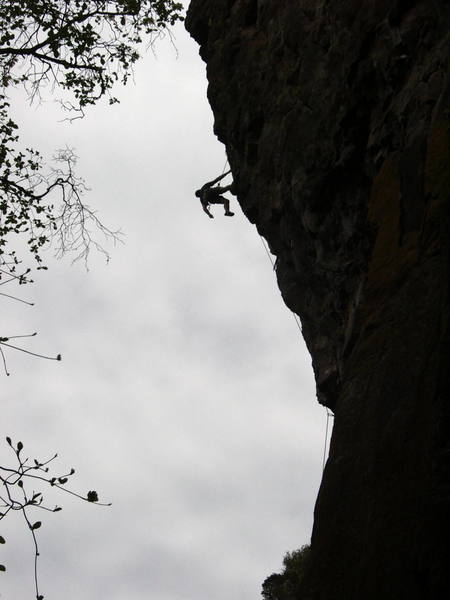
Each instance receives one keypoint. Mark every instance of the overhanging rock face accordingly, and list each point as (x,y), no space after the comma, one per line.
(335,116)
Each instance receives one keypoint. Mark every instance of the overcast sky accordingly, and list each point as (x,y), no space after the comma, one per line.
(185,395)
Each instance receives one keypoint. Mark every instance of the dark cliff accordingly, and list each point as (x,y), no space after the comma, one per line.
(335,117)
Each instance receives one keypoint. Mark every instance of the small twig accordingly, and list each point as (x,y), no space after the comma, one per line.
(27,335)
(36,553)
(16,298)
(58,357)
(4,362)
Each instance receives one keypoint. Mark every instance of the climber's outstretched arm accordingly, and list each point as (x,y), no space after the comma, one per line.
(216,180)
(222,190)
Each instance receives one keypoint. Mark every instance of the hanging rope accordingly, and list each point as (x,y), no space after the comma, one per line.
(298,323)
(296,317)
(299,326)
(329,415)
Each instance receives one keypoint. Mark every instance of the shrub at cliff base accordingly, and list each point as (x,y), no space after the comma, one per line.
(286,585)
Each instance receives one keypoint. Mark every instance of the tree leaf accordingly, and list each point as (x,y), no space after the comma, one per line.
(92,496)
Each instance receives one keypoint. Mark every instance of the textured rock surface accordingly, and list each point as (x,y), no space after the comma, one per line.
(335,120)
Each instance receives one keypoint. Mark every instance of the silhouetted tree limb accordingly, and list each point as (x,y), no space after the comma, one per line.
(16,497)
(80,48)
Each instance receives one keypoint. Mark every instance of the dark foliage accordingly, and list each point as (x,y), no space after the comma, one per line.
(286,585)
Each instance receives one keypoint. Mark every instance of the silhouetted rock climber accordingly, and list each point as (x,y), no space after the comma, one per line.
(213,195)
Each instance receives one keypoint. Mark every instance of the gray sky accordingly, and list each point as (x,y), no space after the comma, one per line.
(185,395)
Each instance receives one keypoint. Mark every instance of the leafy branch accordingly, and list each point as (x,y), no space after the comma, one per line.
(82,46)
(16,496)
